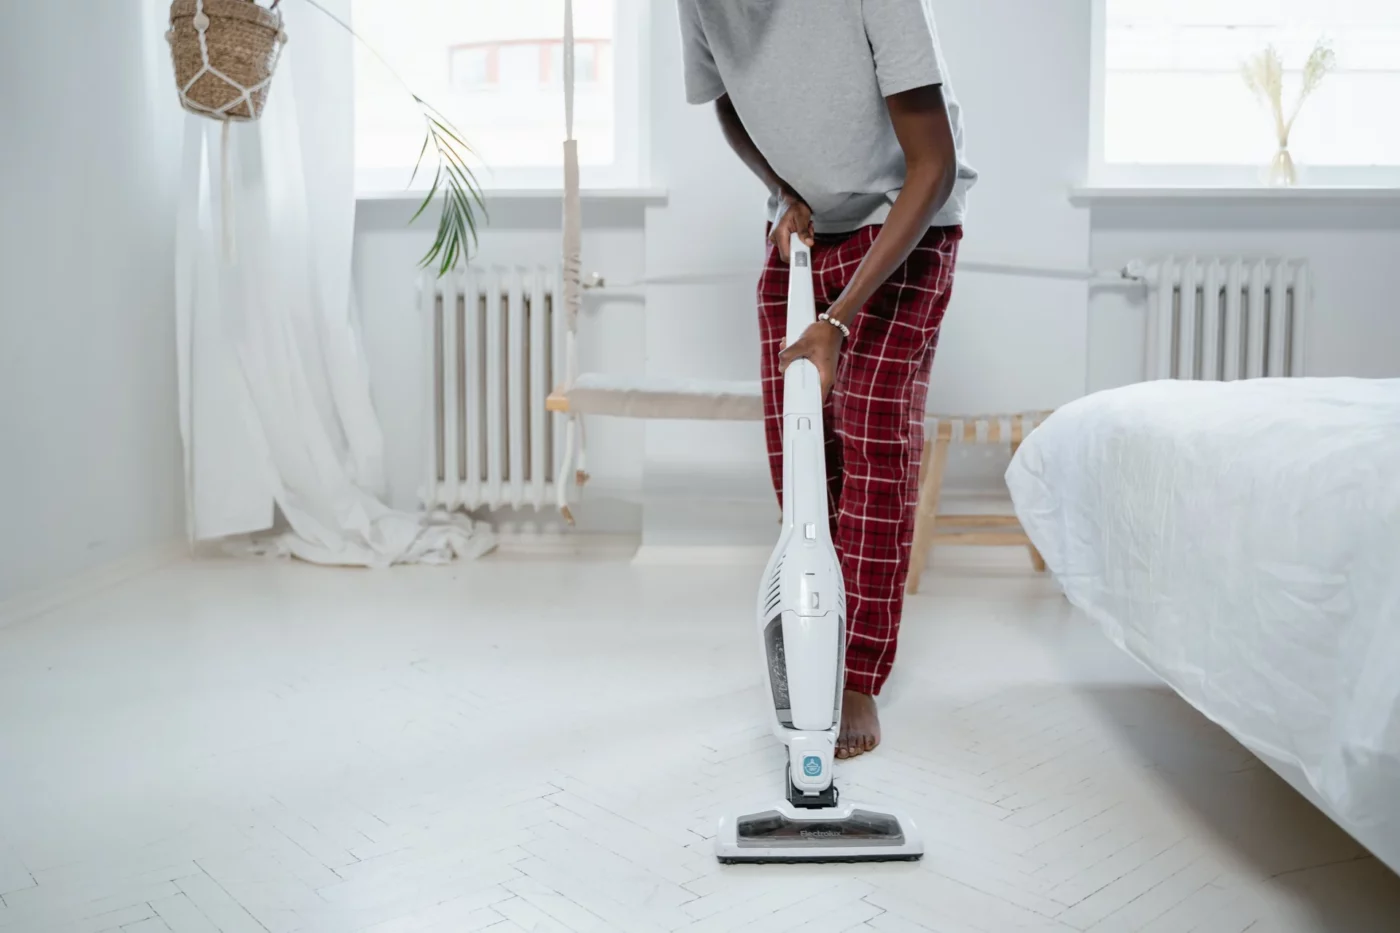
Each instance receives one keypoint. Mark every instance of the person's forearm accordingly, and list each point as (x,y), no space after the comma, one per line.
(927,187)
(743,146)
(920,119)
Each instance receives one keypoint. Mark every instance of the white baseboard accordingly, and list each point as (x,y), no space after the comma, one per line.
(26,606)
(547,544)
(623,546)
(714,555)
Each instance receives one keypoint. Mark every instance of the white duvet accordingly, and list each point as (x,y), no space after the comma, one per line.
(1242,540)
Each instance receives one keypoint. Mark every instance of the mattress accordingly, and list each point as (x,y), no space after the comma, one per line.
(1242,540)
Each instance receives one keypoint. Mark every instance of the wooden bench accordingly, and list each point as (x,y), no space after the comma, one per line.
(640,398)
(932,528)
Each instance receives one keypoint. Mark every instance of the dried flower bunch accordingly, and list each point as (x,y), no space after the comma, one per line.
(1263,74)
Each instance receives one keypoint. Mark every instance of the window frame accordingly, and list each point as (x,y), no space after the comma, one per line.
(544,51)
(630,169)
(1105,174)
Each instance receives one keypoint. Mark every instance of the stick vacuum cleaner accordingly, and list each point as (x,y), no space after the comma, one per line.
(802,630)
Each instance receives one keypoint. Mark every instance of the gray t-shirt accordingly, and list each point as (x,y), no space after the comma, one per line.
(808,79)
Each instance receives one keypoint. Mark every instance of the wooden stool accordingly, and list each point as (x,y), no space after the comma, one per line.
(931,528)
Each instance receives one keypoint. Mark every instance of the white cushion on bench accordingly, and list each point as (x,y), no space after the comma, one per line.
(665,398)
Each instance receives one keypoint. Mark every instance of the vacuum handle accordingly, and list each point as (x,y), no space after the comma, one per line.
(804,456)
(802,302)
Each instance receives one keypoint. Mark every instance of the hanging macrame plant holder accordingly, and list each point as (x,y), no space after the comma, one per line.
(225,54)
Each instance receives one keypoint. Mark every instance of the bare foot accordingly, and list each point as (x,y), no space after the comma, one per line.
(860,725)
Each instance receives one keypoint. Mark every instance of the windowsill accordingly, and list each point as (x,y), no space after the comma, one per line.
(642,196)
(1089,195)
(514,208)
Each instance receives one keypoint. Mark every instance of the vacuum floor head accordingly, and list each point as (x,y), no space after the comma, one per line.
(848,833)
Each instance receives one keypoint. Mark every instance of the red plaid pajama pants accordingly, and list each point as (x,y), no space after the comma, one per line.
(874,423)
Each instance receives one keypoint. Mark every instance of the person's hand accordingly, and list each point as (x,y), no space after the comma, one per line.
(793,216)
(820,343)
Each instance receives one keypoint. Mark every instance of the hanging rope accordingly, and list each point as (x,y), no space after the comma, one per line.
(573,272)
(226,192)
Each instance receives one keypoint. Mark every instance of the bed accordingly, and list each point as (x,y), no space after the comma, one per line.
(1242,540)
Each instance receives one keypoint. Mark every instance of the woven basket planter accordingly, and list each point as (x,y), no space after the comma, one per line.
(225,54)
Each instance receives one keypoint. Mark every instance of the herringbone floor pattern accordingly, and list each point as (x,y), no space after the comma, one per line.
(517,746)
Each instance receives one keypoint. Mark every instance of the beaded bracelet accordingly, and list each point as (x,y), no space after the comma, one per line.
(845,331)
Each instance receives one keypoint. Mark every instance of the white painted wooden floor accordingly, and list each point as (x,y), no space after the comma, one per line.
(532,746)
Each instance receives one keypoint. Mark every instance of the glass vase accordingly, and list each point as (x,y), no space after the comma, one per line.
(1281,172)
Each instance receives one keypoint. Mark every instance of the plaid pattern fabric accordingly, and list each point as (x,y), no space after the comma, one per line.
(874,423)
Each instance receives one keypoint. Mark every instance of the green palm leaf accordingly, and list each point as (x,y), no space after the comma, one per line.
(461,192)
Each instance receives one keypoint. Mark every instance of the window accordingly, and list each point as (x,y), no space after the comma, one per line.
(479,65)
(473,67)
(1171,103)
(496,68)
(587,54)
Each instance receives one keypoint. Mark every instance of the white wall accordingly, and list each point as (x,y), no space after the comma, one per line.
(90,469)
(1022,72)
(1354,329)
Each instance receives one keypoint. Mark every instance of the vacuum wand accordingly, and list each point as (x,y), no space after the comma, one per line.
(808,554)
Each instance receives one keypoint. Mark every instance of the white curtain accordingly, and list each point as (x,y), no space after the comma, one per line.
(274,392)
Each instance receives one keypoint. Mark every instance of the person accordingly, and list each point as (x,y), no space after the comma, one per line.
(844,111)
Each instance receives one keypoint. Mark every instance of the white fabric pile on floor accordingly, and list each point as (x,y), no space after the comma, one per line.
(1242,541)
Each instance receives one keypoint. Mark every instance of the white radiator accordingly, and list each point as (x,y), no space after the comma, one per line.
(1221,319)
(494,341)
